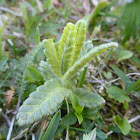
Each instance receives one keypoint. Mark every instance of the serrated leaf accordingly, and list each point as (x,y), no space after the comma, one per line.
(87,57)
(56,45)
(90,136)
(34,74)
(124,54)
(87,98)
(80,38)
(46,71)
(44,101)
(117,94)
(123,124)
(51,54)
(51,129)
(67,46)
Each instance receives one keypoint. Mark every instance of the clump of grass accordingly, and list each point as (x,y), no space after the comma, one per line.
(130,20)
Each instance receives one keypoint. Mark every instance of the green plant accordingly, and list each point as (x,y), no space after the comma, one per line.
(96,18)
(123,124)
(130,20)
(60,73)
(117,93)
(52,127)
(31,18)
(2,27)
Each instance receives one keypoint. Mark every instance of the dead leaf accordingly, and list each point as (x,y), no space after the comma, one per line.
(9,96)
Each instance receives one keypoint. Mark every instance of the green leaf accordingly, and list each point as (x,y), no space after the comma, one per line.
(133,86)
(78,109)
(2,27)
(117,94)
(107,75)
(37,36)
(80,38)
(114,128)
(98,8)
(52,58)
(3,62)
(89,113)
(135,60)
(86,48)
(67,46)
(86,58)
(82,78)
(56,45)
(79,117)
(126,105)
(123,124)
(74,101)
(135,133)
(34,74)
(124,54)
(87,98)
(78,113)
(46,71)
(51,129)
(90,136)
(101,135)
(69,119)
(75,104)
(44,101)
(128,83)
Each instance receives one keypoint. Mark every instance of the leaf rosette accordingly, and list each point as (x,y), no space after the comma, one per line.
(64,60)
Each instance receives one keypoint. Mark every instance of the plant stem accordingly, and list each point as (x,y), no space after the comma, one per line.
(11,128)
(68,110)
(67,135)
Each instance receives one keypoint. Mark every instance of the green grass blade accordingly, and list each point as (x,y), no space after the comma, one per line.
(128,83)
(133,86)
(2,27)
(37,36)
(52,127)
(82,77)
(34,74)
